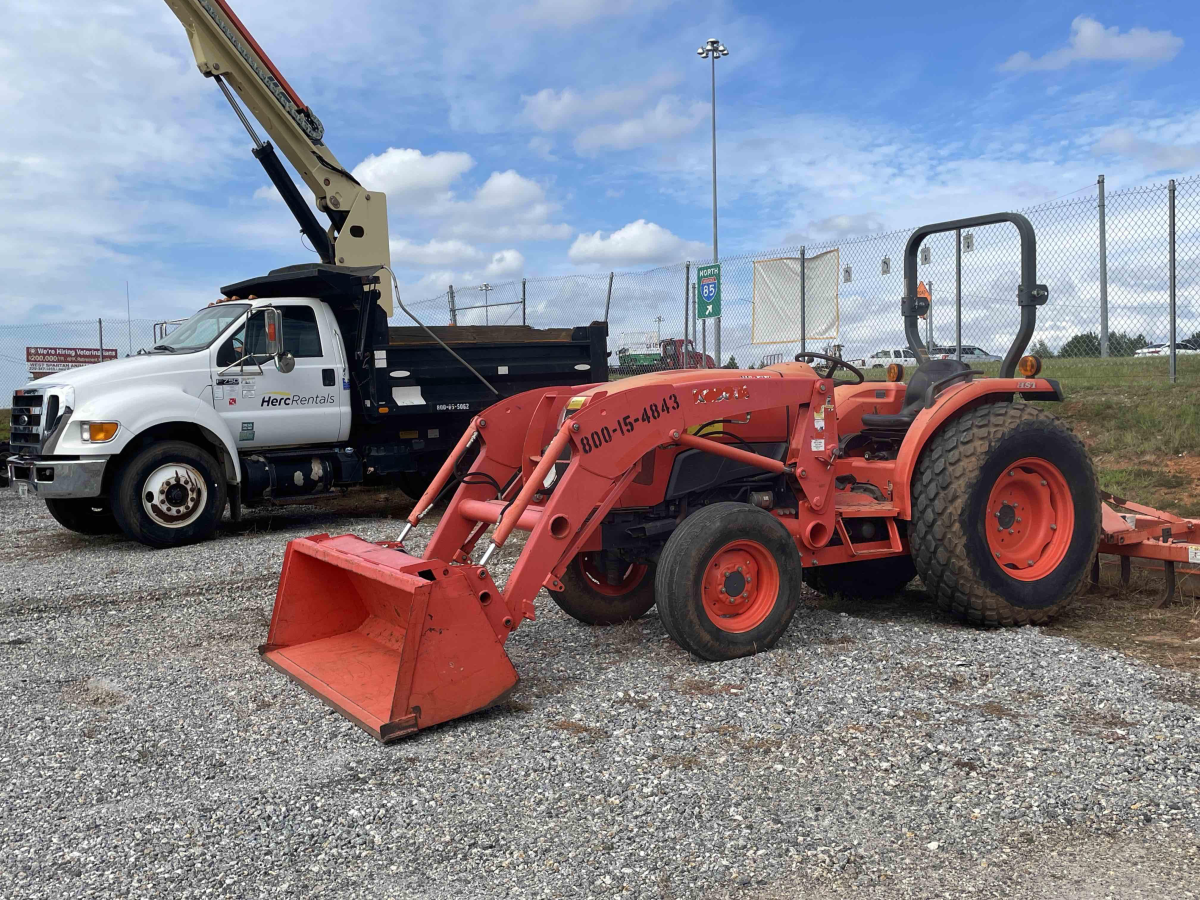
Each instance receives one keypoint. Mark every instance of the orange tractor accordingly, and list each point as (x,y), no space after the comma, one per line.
(713,494)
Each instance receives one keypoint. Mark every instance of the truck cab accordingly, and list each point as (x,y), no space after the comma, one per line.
(300,390)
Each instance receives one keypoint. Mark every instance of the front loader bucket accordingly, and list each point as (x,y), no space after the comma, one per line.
(392,642)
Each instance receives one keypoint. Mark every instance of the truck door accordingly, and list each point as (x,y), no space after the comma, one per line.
(264,407)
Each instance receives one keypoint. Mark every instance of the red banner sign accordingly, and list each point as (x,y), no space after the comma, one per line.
(59,359)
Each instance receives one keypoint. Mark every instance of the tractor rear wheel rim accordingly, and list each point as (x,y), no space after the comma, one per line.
(740,586)
(595,576)
(1030,519)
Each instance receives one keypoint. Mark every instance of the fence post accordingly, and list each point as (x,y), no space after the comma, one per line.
(803,326)
(607,300)
(687,284)
(453,312)
(958,294)
(523,305)
(1103,273)
(1171,263)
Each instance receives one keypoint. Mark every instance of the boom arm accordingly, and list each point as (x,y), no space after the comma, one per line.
(225,50)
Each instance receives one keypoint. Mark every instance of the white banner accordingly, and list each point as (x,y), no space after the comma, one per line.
(776,308)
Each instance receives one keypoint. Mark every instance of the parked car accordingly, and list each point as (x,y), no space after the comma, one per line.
(1182,348)
(969,354)
(881,359)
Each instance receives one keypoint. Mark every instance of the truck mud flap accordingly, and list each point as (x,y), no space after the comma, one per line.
(392,642)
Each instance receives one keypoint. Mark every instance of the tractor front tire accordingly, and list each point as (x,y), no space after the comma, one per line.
(1005,515)
(89,515)
(729,581)
(592,600)
(870,579)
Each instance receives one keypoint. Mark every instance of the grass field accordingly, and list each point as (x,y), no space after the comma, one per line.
(1100,373)
(5,416)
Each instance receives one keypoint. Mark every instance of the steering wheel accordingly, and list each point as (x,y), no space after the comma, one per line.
(835,363)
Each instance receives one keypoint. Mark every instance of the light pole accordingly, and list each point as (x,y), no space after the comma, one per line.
(485,287)
(712,51)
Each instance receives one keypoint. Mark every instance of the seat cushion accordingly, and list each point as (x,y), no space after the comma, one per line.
(914,396)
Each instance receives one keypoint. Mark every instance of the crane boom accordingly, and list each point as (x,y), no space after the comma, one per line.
(226,51)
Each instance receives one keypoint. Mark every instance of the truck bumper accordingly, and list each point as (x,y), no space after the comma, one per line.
(56,478)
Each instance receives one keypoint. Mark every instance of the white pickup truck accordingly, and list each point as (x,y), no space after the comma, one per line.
(301,391)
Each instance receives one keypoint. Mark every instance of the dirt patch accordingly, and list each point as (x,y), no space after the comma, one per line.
(94,693)
(701,688)
(578,728)
(1124,619)
(998,710)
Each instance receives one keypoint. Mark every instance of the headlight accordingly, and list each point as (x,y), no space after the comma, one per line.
(98,432)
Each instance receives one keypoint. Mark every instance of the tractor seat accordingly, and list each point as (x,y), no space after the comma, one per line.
(914,397)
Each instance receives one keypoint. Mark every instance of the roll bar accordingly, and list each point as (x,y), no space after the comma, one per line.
(1030,294)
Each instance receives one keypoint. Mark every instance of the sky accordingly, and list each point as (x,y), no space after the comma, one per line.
(551,137)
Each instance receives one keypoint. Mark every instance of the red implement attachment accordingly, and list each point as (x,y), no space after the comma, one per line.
(1149,533)
(392,642)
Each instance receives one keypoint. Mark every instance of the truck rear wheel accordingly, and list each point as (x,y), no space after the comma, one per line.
(87,515)
(1006,515)
(169,494)
(592,600)
(869,579)
(728,581)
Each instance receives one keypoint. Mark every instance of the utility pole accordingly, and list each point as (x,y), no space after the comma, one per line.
(658,330)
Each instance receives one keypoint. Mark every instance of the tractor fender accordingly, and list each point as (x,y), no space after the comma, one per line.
(948,404)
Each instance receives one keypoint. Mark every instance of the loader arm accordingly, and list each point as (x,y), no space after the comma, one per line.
(226,51)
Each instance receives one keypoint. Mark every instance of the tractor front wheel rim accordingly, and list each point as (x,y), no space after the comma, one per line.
(740,586)
(632,577)
(1030,519)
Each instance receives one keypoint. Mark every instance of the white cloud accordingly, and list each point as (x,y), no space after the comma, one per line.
(543,147)
(435,253)
(638,243)
(666,121)
(506,262)
(570,13)
(1091,41)
(1159,157)
(550,110)
(411,176)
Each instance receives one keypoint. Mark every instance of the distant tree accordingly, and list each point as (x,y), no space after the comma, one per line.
(1122,344)
(1041,349)
(1119,344)
(1081,345)
(732,364)
(1195,338)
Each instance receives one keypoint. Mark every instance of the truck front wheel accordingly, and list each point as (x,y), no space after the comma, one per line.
(87,515)
(171,493)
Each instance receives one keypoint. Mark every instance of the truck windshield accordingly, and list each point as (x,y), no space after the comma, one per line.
(202,329)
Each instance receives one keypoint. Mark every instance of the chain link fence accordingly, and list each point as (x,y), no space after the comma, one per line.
(1115,284)
(1123,271)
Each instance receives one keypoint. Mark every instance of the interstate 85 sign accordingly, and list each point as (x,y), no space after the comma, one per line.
(708,291)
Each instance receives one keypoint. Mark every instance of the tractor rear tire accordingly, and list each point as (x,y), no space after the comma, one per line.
(729,581)
(870,579)
(592,600)
(1005,515)
(90,515)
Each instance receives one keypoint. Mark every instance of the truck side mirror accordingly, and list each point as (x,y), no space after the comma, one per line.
(273,322)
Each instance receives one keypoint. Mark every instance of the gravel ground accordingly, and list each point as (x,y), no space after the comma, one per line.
(150,753)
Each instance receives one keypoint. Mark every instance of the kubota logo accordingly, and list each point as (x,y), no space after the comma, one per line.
(283,398)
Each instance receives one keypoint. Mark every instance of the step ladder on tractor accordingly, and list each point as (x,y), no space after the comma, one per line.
(714,494)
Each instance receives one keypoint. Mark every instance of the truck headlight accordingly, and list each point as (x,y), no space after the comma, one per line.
(98,432)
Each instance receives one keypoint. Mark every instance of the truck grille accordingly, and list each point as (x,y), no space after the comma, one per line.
(28,415)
